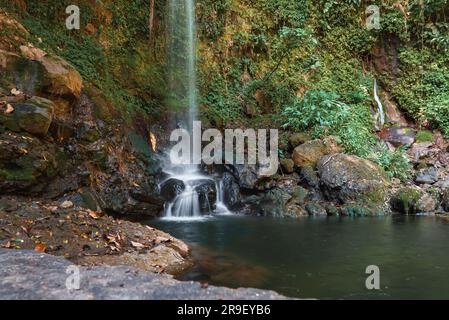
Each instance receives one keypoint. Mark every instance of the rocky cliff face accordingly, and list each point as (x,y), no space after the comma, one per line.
(60,137)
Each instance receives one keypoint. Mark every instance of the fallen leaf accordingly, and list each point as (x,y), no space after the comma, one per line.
(94,214)
(137,245)
(40,247)
(9,109)
(16,92)
(161,240)
(7,245)
(66,204)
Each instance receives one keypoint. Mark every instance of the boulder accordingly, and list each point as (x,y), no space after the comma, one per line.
(347,179)
(171,188)
(427,176)
(207,195)
(309,176)
(60,78)
(34,116)
(315,209)
(231,190)
(26,164)
(426,203)
(288,166)
(406,200)
(310,152)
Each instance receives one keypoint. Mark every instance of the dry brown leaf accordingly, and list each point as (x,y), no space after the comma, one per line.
(94,214)
(40,247)
(16,92)
(7,245)
(9,109)
(137,245)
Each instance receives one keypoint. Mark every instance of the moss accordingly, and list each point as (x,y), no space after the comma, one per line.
(357,210)
(424,136)
(406,200)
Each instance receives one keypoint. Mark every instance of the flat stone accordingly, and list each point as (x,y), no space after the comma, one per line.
(36,276)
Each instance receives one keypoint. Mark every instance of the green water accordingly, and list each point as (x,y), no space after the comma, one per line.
(322,258)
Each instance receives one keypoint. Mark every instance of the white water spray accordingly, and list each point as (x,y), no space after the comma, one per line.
(193,201)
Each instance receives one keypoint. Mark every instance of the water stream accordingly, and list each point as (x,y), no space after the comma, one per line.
(380,109)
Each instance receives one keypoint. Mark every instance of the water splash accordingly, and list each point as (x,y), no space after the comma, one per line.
(192,202)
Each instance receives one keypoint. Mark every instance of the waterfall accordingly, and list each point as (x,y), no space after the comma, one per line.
(380,121)
(195,198)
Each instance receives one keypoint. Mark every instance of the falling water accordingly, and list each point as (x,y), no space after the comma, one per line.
(381,120)
(182,77)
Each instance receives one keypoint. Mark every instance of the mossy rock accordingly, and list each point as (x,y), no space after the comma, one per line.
(350,179)
(309,153)
(424,136)
(288,166)
(34,116)
(299,195)
(356,210)
(406,201)
(315,209)
(299,138)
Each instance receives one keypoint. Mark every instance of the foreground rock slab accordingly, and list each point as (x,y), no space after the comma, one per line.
(30,275)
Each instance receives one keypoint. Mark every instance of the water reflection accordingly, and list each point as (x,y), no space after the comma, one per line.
(321,257)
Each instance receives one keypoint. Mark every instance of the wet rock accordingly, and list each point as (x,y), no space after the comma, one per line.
(171,188)
(310,152)
(207,195)
(427,176)
(147,194)
(445,200)
(346,179)
(310,176)
(332,210)
(315,209)
(356,210)
(274,203)
(247,176)
(401,136)
(406,200)
(231,190)
(299,195)
(288,165)
(297,139)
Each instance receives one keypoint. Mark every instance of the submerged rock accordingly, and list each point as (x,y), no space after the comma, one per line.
(347,179)
(310,152)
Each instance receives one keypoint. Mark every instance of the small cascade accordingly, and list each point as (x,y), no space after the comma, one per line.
(189,193)
(380,121)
